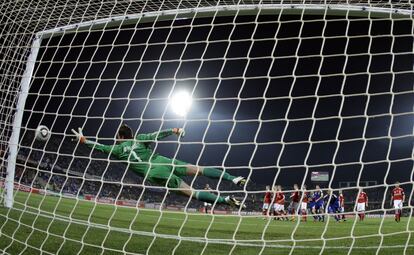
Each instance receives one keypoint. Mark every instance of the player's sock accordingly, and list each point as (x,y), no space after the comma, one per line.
(208,197)
(285,216)
(304,217)
(216,174)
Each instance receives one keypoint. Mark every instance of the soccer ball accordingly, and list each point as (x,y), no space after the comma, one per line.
(42,133)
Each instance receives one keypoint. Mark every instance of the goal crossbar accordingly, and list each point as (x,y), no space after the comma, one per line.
(217,11)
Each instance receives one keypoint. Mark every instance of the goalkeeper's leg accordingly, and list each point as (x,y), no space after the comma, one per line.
(182,168)
(214,173)
(208,197)
(161,175)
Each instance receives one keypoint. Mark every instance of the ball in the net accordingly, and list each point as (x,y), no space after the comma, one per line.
(42,133)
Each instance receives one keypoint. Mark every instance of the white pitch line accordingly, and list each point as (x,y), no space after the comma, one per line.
(247,243)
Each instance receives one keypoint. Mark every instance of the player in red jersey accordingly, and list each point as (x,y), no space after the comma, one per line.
(294,201)
(304,204)
(342,205)
(362,203)
(397,197)
(266,201)
(279,204)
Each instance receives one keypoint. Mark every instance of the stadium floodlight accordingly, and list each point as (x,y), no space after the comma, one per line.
(180,103)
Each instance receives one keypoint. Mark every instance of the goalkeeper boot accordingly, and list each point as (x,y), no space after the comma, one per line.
(235,203)
(240,181)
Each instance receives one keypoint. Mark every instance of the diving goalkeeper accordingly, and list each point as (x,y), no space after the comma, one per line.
(160,170)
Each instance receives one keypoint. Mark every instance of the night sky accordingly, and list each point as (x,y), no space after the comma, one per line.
(262,97)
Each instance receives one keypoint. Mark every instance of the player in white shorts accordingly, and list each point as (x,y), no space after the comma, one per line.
(398,197)
(278,207)
(279,204)
(360,207)
(398,204)
(266,201)
(304,204)
(362,203)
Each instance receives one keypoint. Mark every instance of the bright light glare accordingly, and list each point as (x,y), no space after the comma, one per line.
(180,103)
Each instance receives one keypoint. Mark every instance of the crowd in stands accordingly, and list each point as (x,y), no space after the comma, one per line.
(52,166)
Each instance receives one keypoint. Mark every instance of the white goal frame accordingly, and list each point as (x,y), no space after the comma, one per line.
(222,10)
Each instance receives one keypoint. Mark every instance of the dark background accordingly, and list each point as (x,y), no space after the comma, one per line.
(274,99)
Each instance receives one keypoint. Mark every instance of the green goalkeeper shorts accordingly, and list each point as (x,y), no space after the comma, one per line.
(165,171)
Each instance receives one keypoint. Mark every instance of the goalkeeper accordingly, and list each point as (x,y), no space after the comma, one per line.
(158,169)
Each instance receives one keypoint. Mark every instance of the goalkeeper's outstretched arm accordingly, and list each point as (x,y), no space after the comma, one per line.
(91,144)
(151,137)
(155,136)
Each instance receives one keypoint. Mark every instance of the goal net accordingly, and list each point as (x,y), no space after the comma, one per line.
(313,93)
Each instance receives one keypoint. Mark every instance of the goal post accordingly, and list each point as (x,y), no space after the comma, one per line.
(17,123)
(288,93)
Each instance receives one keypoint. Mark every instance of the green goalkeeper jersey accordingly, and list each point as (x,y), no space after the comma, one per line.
(137,152)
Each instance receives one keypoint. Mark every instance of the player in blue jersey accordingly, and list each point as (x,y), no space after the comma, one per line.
(332,201)
(319,203)
(312,205)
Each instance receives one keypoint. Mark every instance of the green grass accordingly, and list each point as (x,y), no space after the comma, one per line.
(67,226)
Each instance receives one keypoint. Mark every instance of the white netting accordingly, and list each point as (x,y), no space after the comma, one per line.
(282,93)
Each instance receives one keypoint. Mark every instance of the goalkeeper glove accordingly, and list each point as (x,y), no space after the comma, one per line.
(179,132)
(79,136)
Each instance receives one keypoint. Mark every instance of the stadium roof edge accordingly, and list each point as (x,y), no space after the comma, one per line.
(248,9)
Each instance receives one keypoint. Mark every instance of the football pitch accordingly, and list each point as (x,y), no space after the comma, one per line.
(67,226)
